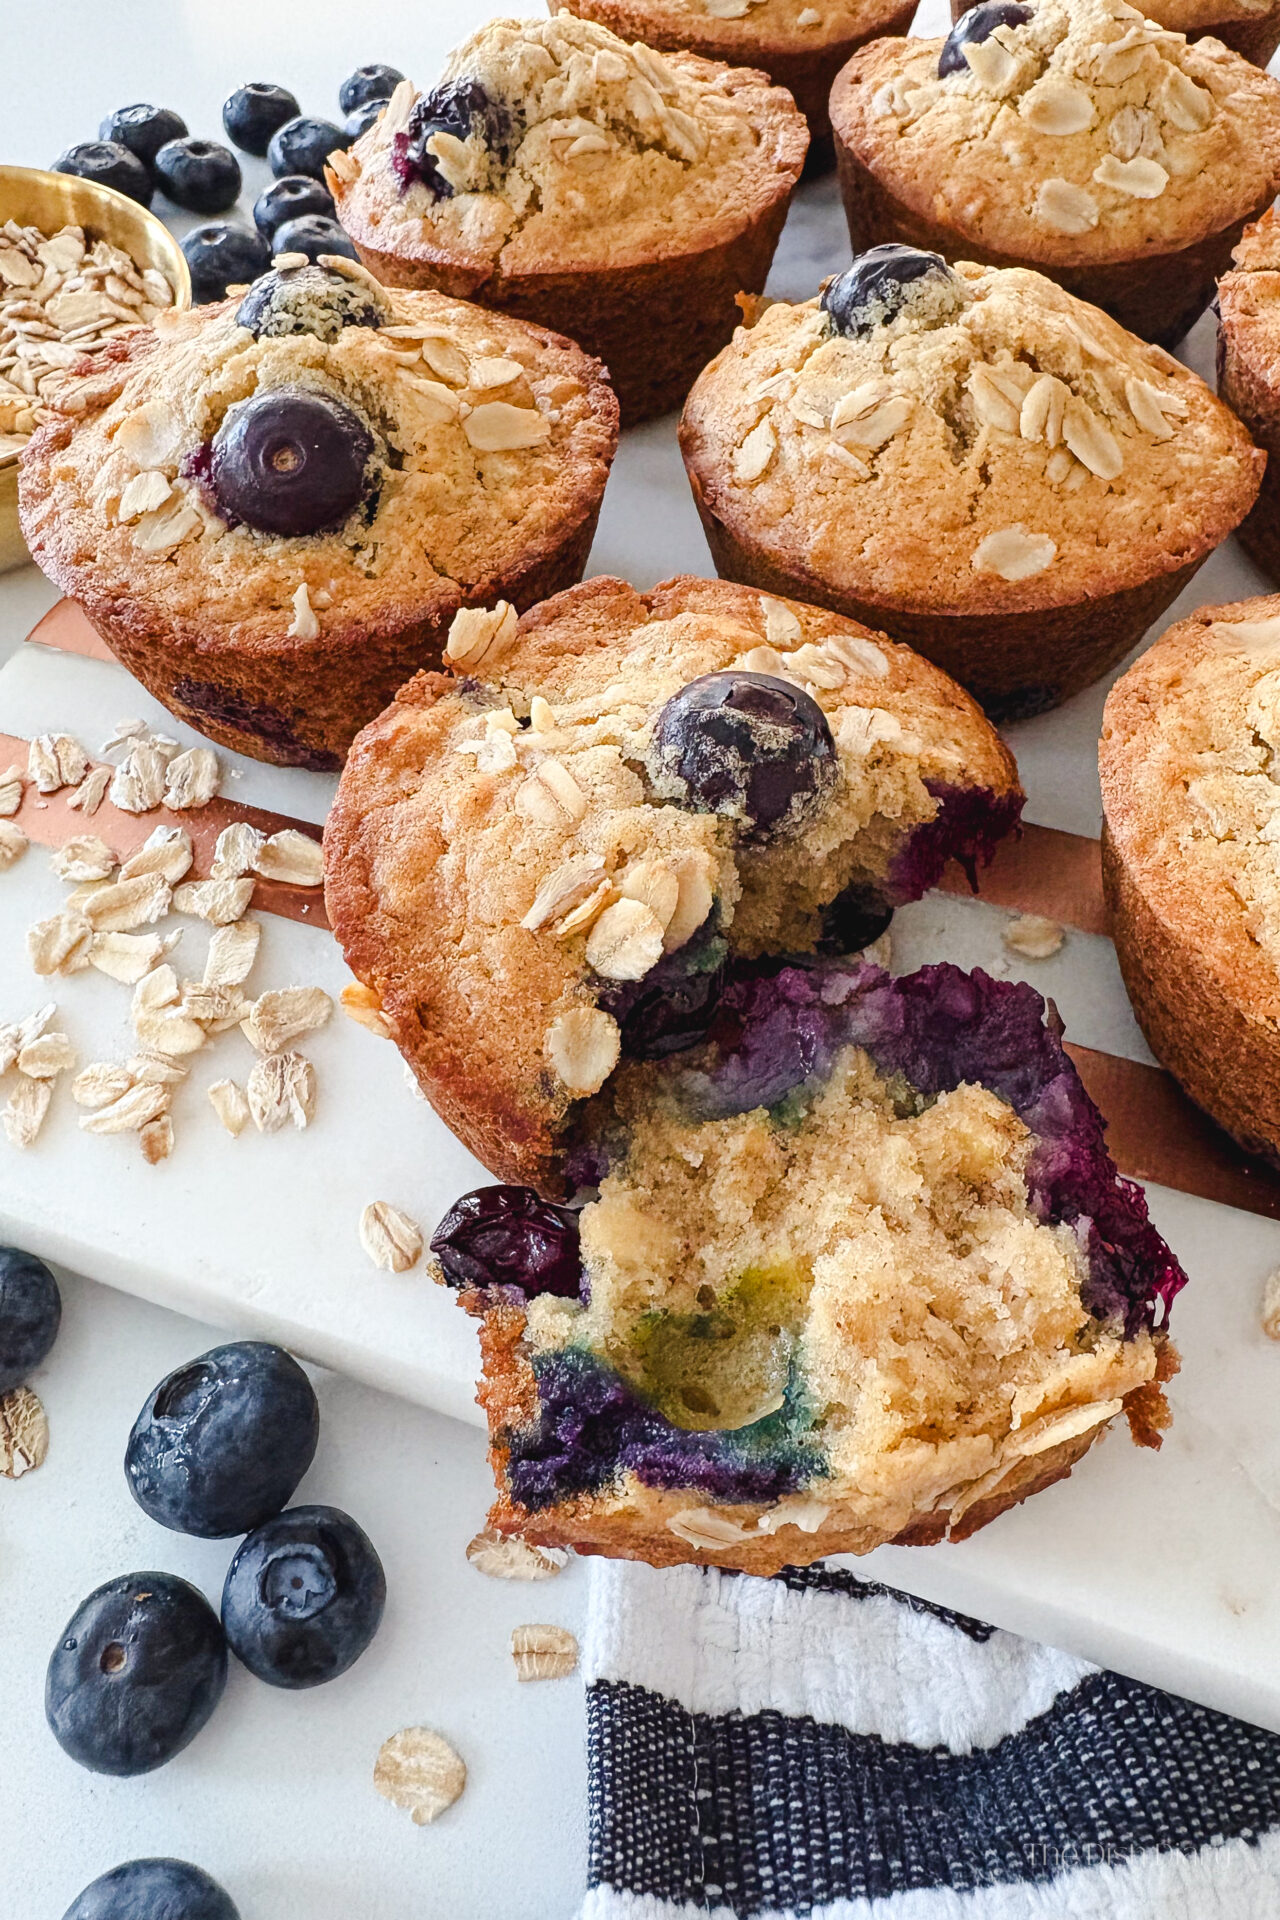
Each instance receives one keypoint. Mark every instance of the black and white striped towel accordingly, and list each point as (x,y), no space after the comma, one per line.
(816,1745)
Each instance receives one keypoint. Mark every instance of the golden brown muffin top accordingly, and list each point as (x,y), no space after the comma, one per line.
(485,430)
(601,154)
(497,853)
(1190,763)
(996,445)
(738,28)
(1086,134)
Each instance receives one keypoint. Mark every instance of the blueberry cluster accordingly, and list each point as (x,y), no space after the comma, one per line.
(142,148)
(218,1450)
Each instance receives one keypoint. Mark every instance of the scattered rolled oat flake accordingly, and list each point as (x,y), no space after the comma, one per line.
(155,1070)
(232,952)
(291,856)
(98,1084)
(497,427)
(216,1009)
(1013,553)
(992,65)
(480,636)
(60,944)
(283,1015)
(1057,107)
(1271,1306)
(47,1057)
(122,905)
(92,791)
(25,1111)
(56,760)
(583,1045)
(129,1113)
(126,957)
(235,850)
(1066,208)
(191,779)
(390,1238)
(626,941)
(83,857)
(24,1433)
(1033,936)
(229,1103)
(419,1771)
(137,786)
(13,843)
(166,851)
(142,494)
(156,1139)
(218,901)
(706,1530)
(12,781)
(543,1652)
(281,1087)
(507,1557)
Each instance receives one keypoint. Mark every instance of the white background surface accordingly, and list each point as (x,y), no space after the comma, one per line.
(275,1797)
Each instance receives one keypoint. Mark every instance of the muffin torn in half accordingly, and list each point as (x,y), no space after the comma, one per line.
(551,863)
(857,1269)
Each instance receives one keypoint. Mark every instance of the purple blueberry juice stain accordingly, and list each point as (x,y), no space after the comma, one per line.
(968,827)
(261,722)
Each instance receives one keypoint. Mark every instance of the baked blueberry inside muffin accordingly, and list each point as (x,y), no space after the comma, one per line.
(554,861)
(272,508)
(593,185)
(857,1269)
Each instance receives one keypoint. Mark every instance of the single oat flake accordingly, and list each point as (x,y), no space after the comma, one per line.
(24,1433)
(419,1771)
(391,1239)
(543,1652)
(1271,1306)
(507,1557)
(1033,936)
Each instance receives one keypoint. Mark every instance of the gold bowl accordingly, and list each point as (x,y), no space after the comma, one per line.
(34,198)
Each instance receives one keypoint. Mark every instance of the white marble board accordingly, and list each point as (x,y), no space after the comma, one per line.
(1165,1566)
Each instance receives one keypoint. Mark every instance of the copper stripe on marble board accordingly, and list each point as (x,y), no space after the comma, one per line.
(1154,1131)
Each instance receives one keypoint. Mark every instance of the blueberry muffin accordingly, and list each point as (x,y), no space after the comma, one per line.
(272,508)
(800,44)
(1073,136)
(1249,372)
(547,864)
(857,1269)
(973,460)
(618,195)
(1190,741)
(1248,27)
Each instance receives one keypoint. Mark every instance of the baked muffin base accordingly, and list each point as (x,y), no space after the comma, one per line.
(1226,1060)
(1159,297)
(655,324)
(1014,664)
(808,75)
(1249,382)
(302,702)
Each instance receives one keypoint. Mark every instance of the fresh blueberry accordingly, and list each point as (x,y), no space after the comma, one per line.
(254,112)
(316,300)
(303,1597)
(153,1890)
(290,461)
(373,82)
(139,1668)
(289,199)
(509,1237)
(199,175)
(302,145)
(745,744)
(854,919)
(313,234)
(360,119)
(30,1315)
(462,108)
(884,280)
(223,254)
(222,1443)
(978,24)
(107,164)
(143,129)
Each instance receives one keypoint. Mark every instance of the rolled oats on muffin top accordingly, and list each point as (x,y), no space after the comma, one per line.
(1062,136)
